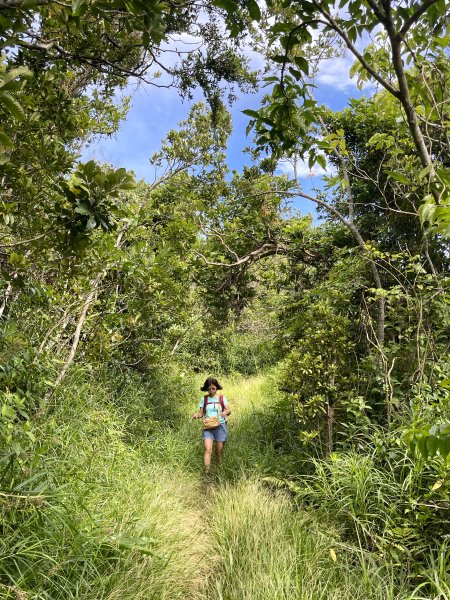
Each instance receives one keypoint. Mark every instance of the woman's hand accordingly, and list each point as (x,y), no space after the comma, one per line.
(196,416)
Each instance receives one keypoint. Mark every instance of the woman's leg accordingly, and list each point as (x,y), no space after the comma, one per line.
(221,437)
(208,444)
(219,451)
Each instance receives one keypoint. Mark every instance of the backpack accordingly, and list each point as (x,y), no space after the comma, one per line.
(205,402)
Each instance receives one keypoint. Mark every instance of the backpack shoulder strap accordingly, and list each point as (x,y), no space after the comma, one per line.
(205,403)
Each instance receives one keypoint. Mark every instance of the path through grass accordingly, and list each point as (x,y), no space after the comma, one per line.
(250,542)
(133,518)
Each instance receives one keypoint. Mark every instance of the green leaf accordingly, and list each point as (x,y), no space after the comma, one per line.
(229,5)
(445,383)
(426,212)
(30,436)
(432,445)
(295,73)
(281,28)
(5,140)
(322,161)
(444,446)
(235,29)
(302,64)
(8,411)
(279,58)
(251,113)
(399,177)
(76,5)
(422,446)
(12,106)
(425,171)
(254,10)
(14,79)
(82,210)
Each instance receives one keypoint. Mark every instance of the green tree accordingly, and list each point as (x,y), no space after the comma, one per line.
(407,58)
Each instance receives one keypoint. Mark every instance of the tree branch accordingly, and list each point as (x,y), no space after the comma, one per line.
(414,18)
(343,35)
(76,338)
(220,237)
(376,9)
(361,243)
(267,249)
(13,244)
(404,95)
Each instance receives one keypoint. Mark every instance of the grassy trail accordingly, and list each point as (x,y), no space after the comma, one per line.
(239,540)
(130,516)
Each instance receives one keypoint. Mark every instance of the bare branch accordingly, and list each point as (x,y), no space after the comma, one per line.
(220,237)
(76,338)
(267,249)
(13,244)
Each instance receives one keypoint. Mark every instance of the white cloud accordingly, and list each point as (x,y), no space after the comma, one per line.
(286,167)
(335,73)
(257,61)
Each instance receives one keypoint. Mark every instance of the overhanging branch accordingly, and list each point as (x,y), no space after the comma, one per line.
(415,17)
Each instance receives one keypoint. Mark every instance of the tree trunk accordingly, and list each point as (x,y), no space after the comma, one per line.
(330,412)
(330,427)
(6,295)
(76,338)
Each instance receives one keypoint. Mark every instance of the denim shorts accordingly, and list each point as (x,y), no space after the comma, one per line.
(218,434)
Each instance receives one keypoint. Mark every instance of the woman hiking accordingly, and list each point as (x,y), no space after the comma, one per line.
(213,408)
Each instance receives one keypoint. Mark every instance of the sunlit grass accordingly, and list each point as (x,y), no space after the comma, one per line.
(271,552)
(112,519)
(122,516)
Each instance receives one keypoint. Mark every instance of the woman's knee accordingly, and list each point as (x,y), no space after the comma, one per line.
(208,449)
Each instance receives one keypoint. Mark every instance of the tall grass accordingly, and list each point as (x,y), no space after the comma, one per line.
(105,516)
(271,552)
(268,549)
(114,506)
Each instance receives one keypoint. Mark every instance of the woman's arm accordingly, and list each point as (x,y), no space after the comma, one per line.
(227,411)
(199,414)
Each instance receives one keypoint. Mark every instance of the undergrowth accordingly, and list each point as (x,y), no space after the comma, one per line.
(112,504)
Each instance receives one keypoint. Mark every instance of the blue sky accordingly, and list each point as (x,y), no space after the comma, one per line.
(154,111)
